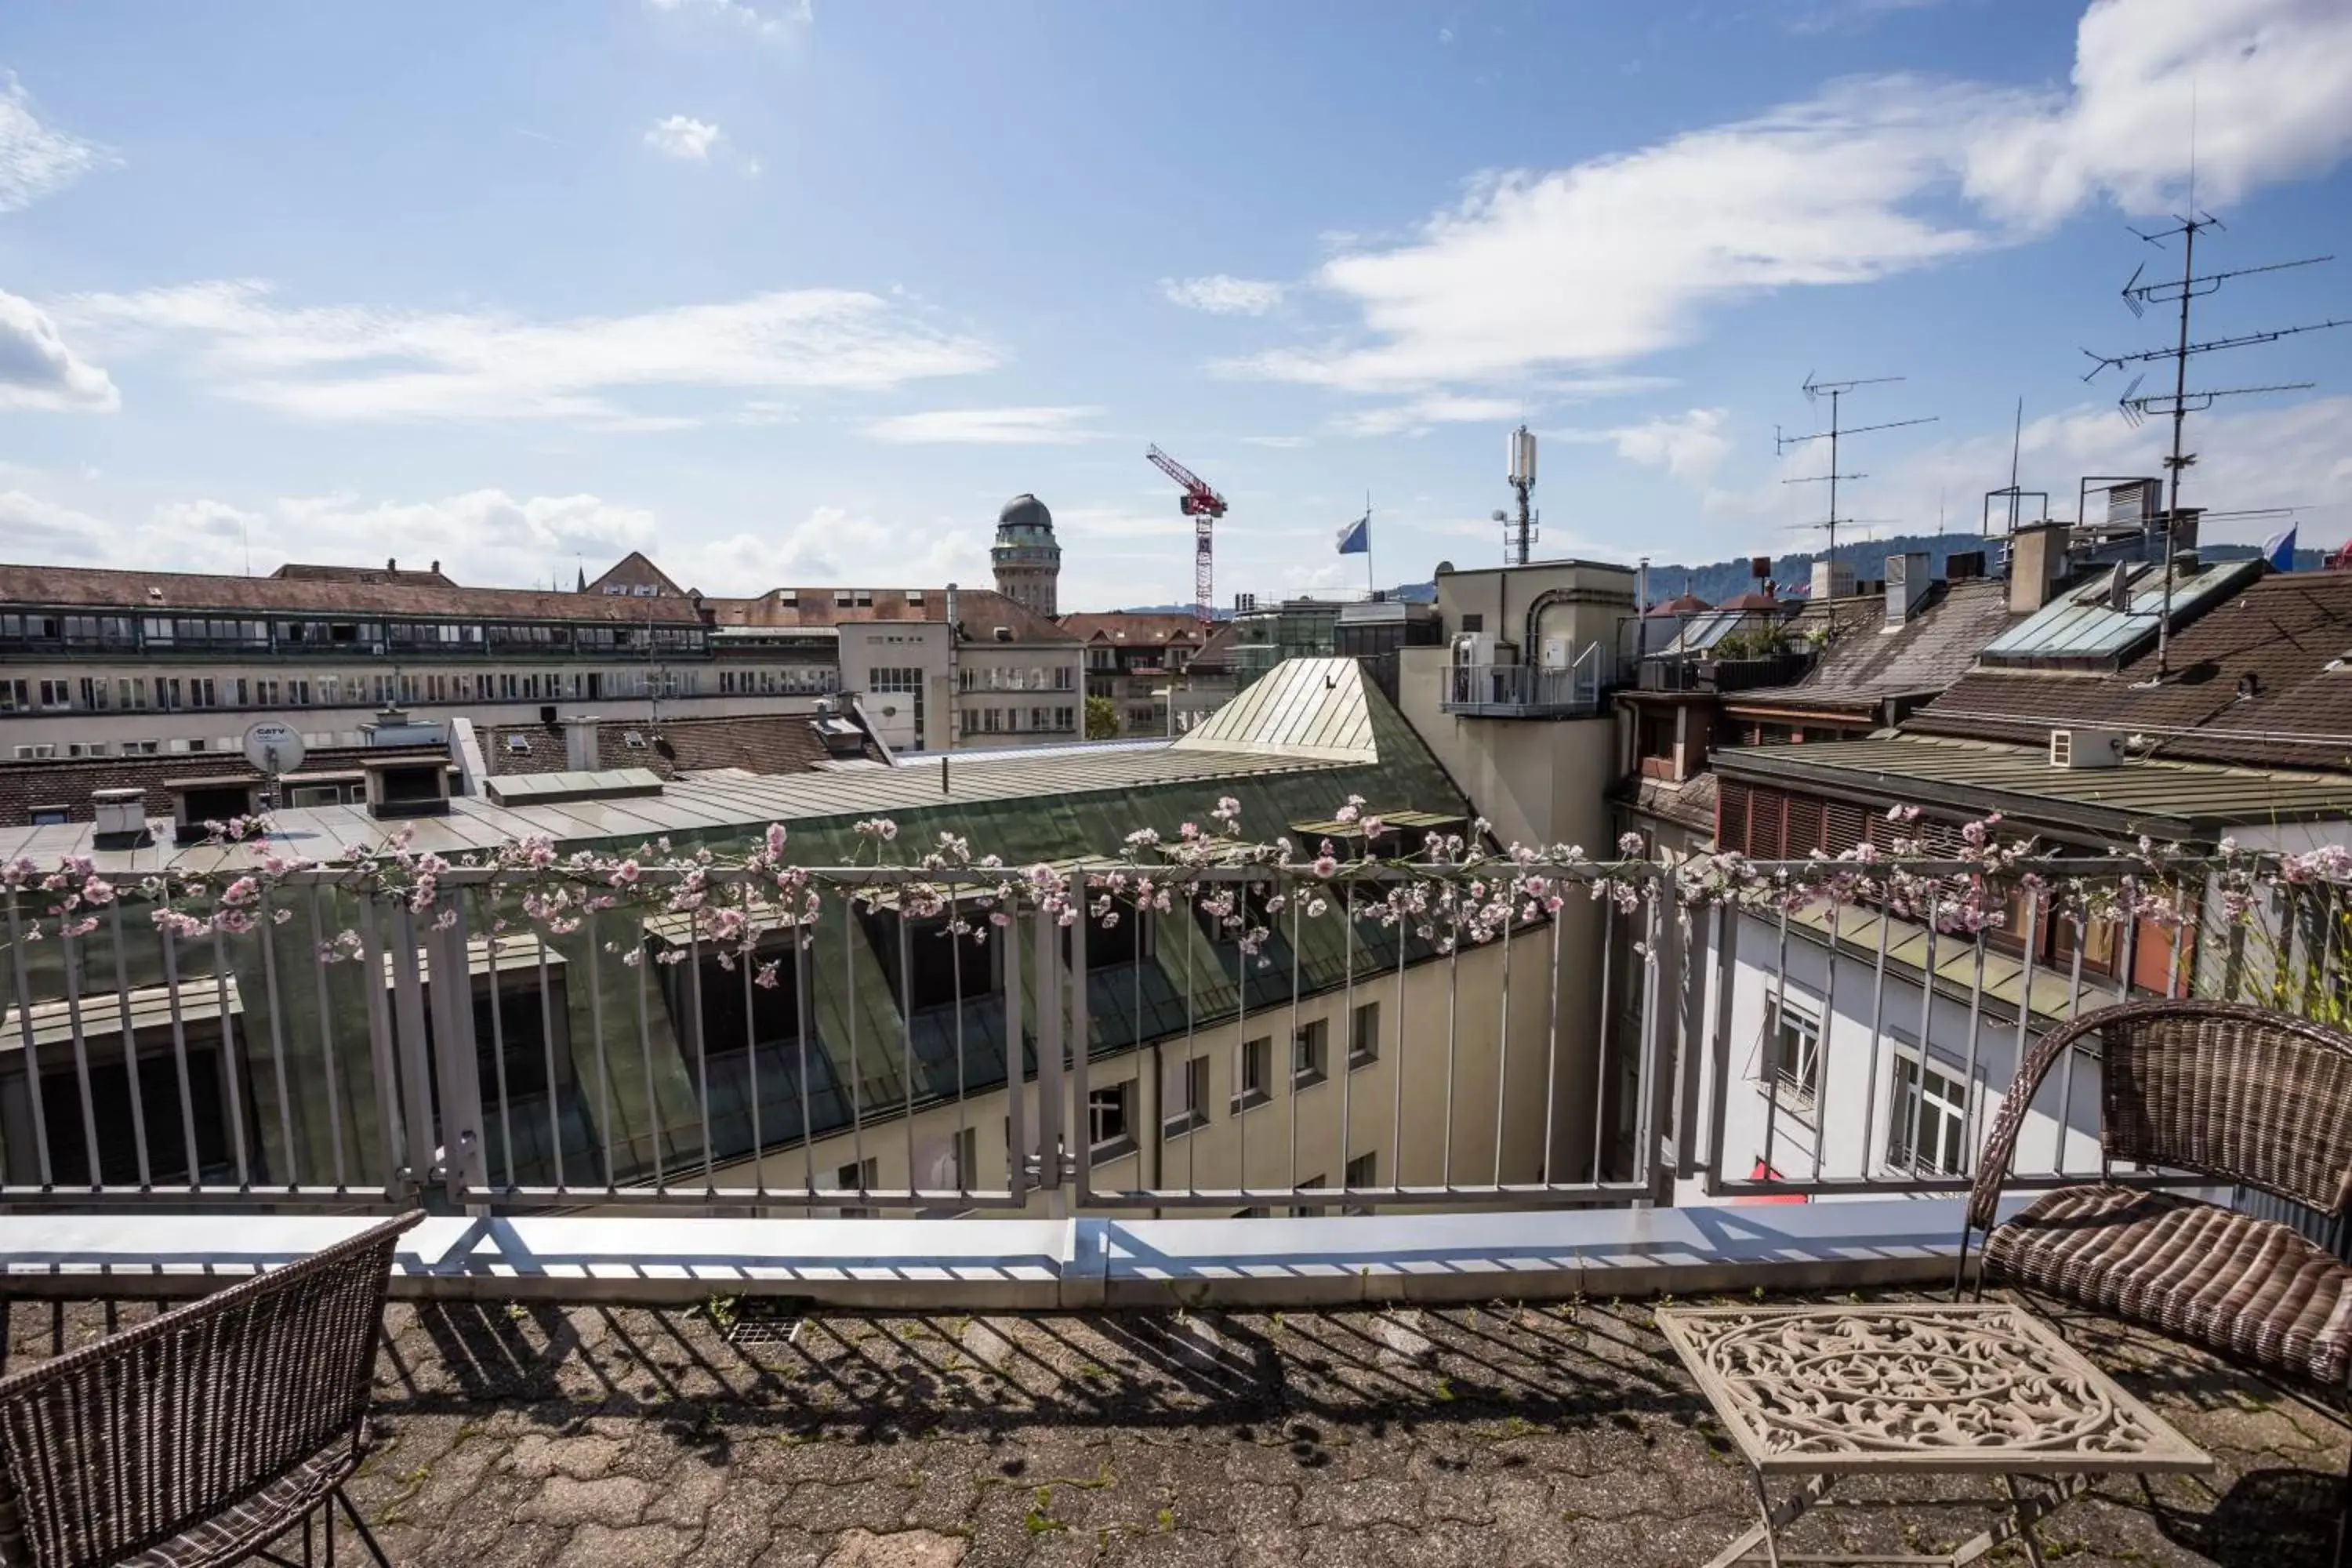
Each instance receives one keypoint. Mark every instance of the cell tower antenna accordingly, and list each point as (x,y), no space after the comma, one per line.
(2182,400)
(1516,545)
(1814,390)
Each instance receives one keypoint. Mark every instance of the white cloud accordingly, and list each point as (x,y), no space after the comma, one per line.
(777,21)
(681,136)
(986,427)
(1624,255)
(1282,442)
(41,533)
(1221,295)
(1421,415)
(2267,81)
(35,160)
(38,371)
(833,544)
(1689,445)
(356,362)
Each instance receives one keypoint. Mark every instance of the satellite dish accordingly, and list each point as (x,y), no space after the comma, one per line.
(273,747)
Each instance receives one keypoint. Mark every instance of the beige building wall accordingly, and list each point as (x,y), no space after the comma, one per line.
(1456,1018)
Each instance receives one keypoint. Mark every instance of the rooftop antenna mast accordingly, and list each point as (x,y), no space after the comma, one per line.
(1814,390)
(1517,542)
(2182,400)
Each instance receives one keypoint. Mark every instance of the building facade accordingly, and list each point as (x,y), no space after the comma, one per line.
(110,663)
(1140,663)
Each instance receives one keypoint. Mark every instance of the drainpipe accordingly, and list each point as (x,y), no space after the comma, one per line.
(955,671)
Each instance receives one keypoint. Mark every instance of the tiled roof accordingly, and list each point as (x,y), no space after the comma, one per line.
(2167,798)
(2287,632)
(633,569)
(1132,629)
(1864,664)
(1217,653)
(979,609)
(758,744)
(151,592)
(1690,803)
(70,781)
(390,571)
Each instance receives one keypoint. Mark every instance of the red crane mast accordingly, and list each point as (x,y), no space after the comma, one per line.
(1203,506)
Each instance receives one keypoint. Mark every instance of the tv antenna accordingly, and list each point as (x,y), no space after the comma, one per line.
(2182,400)
(2014,493)
(1836,390)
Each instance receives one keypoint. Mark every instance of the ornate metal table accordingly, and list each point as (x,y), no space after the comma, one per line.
(1818,1393)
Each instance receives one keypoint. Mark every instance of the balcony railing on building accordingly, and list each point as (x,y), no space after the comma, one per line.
(914,1055)
(1699,674)
(1528,690)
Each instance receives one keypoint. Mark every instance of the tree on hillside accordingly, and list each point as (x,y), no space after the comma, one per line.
(1102,719)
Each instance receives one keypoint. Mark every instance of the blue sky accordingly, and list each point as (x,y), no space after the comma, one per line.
(800,292)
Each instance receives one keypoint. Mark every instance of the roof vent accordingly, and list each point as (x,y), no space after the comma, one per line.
(634,738)
(2077,749)
(1003,634)
(517,744)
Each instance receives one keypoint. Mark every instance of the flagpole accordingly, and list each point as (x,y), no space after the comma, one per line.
(1369,581)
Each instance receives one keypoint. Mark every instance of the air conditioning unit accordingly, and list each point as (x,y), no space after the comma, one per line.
(1474,648)
(2085,748)
(1559,653)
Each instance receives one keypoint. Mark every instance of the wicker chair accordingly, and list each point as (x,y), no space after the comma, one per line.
(207,1433)
(2243,1096)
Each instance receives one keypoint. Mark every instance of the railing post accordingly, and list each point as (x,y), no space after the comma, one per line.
(465,1164)
(407,981)
(1045,969)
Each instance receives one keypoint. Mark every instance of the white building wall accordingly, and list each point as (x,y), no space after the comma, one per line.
(1840,1131)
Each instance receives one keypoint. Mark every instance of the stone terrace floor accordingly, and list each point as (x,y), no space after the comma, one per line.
(1488,1438)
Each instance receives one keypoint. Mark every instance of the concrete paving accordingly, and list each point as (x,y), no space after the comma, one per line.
(1492,1436)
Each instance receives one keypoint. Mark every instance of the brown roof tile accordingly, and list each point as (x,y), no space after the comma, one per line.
(76,587)
(70,781)
(2284,632)
(1135,628)
(1864,664)
(758,743)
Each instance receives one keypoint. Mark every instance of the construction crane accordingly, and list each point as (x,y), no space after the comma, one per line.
(1203,506)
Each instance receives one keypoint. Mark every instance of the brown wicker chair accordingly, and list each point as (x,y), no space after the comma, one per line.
(208,1433)
(2243,1096)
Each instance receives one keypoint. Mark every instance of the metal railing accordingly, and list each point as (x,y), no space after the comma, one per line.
(973,1054)
(1528,691)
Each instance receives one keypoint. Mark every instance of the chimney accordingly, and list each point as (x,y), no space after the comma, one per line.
(2037,553)
(436,566)
(392,562)
(580,744)
(1908,578)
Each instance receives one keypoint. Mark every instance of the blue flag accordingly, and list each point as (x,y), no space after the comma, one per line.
(1356,538)
(2278,550)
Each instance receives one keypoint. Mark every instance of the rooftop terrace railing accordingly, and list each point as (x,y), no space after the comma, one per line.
(1205,1026)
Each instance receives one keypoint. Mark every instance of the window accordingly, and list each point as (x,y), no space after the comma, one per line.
(94,692)
(963,1159)
(201,693)
(1474,622)
(1941,1111)
(56,694)
(40,752)
(1310,1052)
(860,1177)
(941,966)
(1363,1171)
(1257,1072)
(1065,718)
(1189,1098)
(16,694)
(1364,1033)
(1310,1211)
(1794,1038)
(51,815)
(1110,1130)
